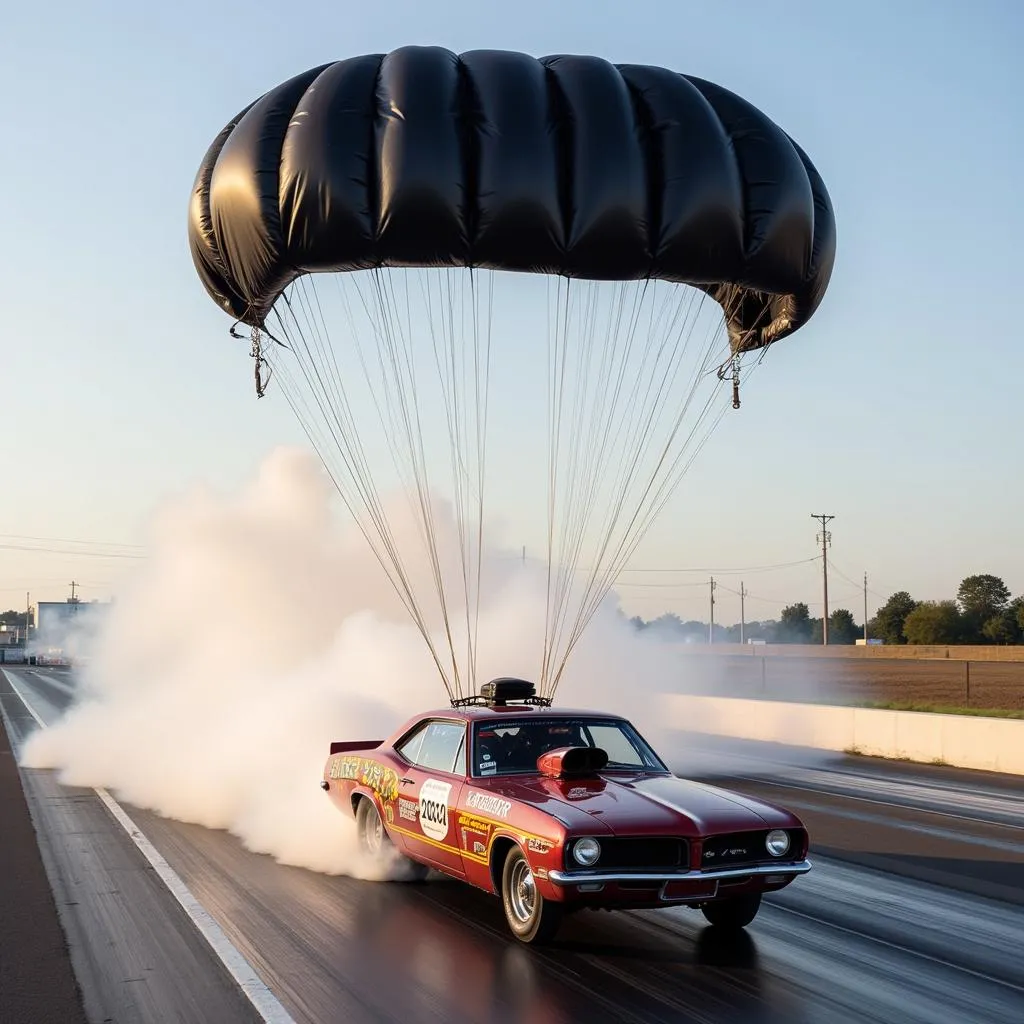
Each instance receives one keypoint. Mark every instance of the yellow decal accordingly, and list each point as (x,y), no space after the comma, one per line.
(378,777)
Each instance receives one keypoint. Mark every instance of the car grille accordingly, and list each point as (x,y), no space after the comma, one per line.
(628,853)
(738,848)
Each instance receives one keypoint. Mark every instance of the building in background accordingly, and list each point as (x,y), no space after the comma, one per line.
(64,629)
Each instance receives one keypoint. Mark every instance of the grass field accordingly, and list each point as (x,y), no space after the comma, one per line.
(837,680)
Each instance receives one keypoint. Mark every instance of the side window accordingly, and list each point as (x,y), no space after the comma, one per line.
(410,748)
(437,745)
(442,741)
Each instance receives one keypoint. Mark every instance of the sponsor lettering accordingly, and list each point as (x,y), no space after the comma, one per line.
(434,796)
(577,793)
(378,777)
(538,845)
(408,809)
(474,824)
(345,768)
(489,804)
(474,832)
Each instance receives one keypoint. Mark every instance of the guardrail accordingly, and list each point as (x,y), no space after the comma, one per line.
(965,741)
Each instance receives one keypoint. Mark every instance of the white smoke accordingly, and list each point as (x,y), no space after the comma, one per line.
(257,631)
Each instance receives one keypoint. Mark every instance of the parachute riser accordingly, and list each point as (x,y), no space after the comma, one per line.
(733,364)
(256,353)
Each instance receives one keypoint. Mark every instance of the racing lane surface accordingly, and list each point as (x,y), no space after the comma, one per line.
(844,943)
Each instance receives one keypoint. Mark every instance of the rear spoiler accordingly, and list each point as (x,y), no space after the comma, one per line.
(339,747)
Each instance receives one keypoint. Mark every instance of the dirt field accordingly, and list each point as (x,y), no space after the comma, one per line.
(837,680)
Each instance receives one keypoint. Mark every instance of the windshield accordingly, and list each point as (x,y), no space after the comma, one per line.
(511,748)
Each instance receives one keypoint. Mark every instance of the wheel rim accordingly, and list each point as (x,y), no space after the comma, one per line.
(373,831)
(522,892)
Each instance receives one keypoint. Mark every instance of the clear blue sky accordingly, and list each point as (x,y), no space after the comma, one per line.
(896,408)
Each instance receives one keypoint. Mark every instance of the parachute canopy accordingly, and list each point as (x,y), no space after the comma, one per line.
(565,165)
(414,182)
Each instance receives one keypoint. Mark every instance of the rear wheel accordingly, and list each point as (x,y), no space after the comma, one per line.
(733,914)
(530,917)
(375,842)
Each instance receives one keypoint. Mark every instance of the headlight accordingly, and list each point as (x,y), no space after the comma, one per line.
(586,852)
(777,842)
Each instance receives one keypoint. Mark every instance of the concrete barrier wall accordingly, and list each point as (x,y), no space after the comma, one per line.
(990,744)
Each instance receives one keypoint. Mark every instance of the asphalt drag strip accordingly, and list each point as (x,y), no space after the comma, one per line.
(853,941)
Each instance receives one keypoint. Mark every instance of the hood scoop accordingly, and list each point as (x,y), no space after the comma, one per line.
(572,762)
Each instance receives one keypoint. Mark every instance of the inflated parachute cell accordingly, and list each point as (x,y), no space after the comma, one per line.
(560,165)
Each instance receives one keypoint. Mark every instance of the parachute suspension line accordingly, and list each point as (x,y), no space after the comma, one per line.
(649,451)
(319,367)
(627,362)
(403,376)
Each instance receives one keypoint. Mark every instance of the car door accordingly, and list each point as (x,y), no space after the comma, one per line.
(428,792)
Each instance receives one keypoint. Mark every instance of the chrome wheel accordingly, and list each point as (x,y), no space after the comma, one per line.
(530,916)
(522,892)
(372,832)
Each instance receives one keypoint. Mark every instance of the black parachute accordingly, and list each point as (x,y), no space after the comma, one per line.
(560,165)
(627,194)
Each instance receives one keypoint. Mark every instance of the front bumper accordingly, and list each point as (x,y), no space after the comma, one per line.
(566,878)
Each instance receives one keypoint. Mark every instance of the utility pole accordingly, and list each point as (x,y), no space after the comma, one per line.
(28,615)
(743,616)
(711,627)
(825,537)
(865,609)
(73,584)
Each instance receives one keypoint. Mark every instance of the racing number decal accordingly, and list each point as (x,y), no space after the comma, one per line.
(434,808)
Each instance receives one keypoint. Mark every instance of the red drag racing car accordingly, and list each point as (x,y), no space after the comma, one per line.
(558,810)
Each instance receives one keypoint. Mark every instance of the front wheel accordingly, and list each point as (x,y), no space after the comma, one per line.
(530,917)
(733,914)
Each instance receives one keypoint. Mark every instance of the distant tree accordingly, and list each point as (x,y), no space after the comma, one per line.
(842,629)
(1002,628)
(1017,610)
(887,625)
(13,619)
(981,598)
(934,622)
(794,625)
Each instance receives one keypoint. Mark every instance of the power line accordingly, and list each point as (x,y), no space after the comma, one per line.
(68,540)
(733,572)
(69,551)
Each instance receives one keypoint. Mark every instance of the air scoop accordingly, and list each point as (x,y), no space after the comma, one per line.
(572,762)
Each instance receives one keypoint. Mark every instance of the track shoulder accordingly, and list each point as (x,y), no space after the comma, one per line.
(37,981)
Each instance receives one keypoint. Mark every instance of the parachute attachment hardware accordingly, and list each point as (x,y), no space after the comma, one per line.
(257,354)
(733,364)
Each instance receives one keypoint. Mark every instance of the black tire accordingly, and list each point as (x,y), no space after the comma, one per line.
(530,917)
(732,914)
(374,840)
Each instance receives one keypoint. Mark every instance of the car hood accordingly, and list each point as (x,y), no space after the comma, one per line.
(635,804)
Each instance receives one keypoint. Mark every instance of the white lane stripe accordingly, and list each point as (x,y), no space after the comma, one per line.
(266,1005)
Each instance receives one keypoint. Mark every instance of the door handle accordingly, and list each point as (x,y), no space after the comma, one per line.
(407,781)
